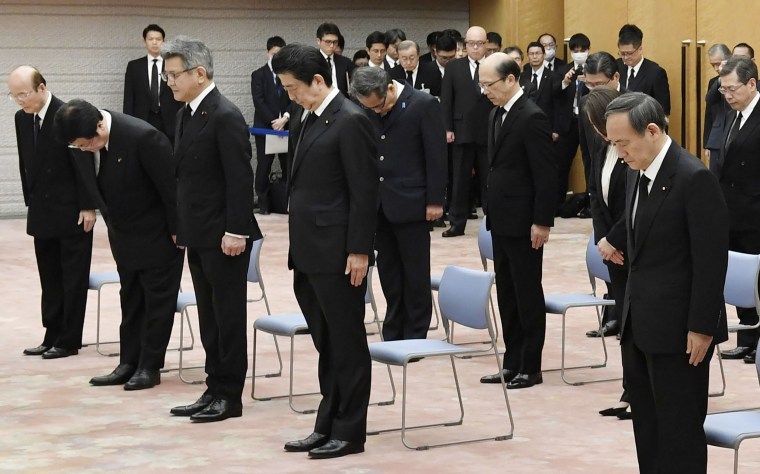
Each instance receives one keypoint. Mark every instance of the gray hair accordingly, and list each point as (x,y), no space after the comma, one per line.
(408,44)
(641,110)
(192,52)
(745,68)
(367,80)
(721,49)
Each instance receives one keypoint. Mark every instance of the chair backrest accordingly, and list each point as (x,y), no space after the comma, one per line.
(463,296)
(740,288)
(254,272)
(485,245)
(595,264)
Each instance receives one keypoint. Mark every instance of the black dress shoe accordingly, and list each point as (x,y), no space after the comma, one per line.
(610,328)
(36,351)
(453,231)
(439,222)
(314,440)
(59,353)
(738,353)
(496,378)
(119,376)
(189,410)
(615,411)
(585,213)
(525,381)
(218,410)
(142,379)
(336,448)
(750,358)
(626,415)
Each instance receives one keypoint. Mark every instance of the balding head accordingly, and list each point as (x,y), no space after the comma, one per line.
(475,41)
(28,88)
(499,75)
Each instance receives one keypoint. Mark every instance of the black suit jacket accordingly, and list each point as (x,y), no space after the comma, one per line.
(267,105)
(53,191)
(716,110)
(428,77)
(678,257)
(465,108)
(344,67)
(522,180)
(137,193)
(333,189)
(563,100)
(411,144)
(214,175)
(740,173)
(652,80)
(544,97)
(137,95)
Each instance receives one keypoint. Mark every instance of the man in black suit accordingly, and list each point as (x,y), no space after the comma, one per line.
(638,73)
(739,177)
(420,76)
(146,96)
(522,185)
(129,165)
(60,215)
(377,46)
(431,39)
(214,221)
(333,209)
(393,37)
(270,110)
(536,81)
(328,35)
(412,148)
(674,314)
(493,43)
(744,49)
(465,109)
(716,108)
(551,61)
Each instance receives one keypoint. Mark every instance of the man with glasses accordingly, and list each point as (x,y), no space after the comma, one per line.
(639,74)
(420,76)
(739,177)
(551,61)
(536,81)
(328,35)
(493,43)
(394,36)
(377,46)
(60,215)
(716,108)
(465,109)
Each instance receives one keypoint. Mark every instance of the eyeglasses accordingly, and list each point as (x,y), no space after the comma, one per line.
(486,85)
(82,146)
(19,97)
(628,54)
(475,44)
(330,42)
(379,106)
(444,59)
(591,85)
(535,53)
(173,75)
(730,90)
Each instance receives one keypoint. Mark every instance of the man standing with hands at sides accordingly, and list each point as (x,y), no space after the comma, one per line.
(674,314)
(341,67)
(412,150)
(333,209)
(146,96)
(522,190)
(214,221)
(60,215)
(129,166)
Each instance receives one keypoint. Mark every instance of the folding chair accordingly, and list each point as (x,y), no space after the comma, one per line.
(97,281)
(561,303)
(463,298)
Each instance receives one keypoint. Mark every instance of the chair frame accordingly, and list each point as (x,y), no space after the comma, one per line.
(104,280)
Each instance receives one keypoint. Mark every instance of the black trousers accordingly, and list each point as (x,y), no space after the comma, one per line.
(521,301)
(334,311)
(403,261)
(148,304)
(221,291)
(264,168)
(747,241)
(63,264)
(669,404)
(463,158)
(565,148)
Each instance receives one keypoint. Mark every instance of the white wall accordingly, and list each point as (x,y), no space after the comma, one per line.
(82,47)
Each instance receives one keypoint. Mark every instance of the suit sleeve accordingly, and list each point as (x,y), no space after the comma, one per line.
(543,168)
(157,160)
(434,143)
(447,99)
(661,90)
(21,168)
(712,101)
(259,100)
(600,226)
(234,145)
(129,97)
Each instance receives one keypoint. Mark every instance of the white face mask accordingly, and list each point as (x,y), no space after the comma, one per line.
(549,54)
(580,57)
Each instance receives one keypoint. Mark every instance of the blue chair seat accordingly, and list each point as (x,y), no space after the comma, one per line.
(98,279)
(726,429)
(558,304)
(435,282)
(286,324)
(184,300)
(400,352)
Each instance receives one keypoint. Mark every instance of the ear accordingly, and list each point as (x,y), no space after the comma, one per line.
(653,130)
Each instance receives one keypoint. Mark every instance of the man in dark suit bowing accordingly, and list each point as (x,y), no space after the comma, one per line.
(673,315)
(341,67)
(333,209)
(424,77)
(536,80)
(146,96)
(638,73)
(522,184)
(214,221)
(60,215)
(412,151)
(129,165)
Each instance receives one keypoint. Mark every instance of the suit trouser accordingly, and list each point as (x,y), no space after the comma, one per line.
(334,311)
(616,291)
(148,305)
(220,286)
(565,148)
(463,157)
(521,301)
(263,169)
(669,404)
(403,261)
(63,264)
(746,241)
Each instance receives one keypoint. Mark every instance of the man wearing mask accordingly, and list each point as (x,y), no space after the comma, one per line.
(551,61)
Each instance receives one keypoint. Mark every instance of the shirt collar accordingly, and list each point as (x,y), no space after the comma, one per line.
(472,61)
(748,110)
(151,58)
(324,55)
(539,72)
(637,66)
(107,117)
(514,98)
(333,92)
(654,167)
(195,103)
(43,110)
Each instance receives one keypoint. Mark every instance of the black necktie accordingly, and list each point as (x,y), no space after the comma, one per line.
(154,88)
(631,77)
(643,196)
(533,85)
(476,77)
(37,121)
(734,129)
(186,116)
(410,78)
(498,119)
(329,63)
(277,85)
(549,66)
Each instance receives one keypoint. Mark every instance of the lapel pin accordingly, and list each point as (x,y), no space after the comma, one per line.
(327,122)
(403,105)
(204,113)
(118,160)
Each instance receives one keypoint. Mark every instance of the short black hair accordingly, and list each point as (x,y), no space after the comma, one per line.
(76,119)
(445,43)
(630,34)
(493,37)
(535,44)
(153,27)
(341,42)
(508,67)
(328,29)
(376,37)
(452,33)
(749,48)
(275,42)
(579,40)
(547,34)
(432,38)
(395,34)
(302,62)
(514,49)
(601,62)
